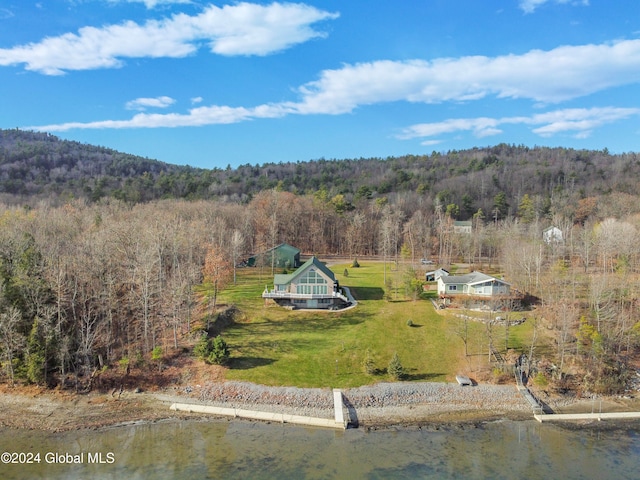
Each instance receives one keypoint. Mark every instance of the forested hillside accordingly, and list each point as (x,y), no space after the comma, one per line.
(39,165)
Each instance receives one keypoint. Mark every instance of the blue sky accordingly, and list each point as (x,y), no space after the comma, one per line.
(212,83)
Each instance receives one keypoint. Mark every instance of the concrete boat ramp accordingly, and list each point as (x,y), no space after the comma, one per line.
(338,422)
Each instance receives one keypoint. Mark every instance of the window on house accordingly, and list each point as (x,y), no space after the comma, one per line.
(311,277)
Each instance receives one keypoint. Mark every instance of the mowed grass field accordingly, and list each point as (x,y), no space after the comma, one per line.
(274,346)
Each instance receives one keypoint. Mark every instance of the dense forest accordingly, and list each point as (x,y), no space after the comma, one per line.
(106,257)
(41,166)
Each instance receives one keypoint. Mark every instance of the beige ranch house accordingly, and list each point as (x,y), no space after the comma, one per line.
(475,283)
(312,286)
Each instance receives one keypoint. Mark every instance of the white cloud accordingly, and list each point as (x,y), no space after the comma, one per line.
(529,6)
(550,76)
(239,29)
(557,75)
(196,100)
(144,103)
(428,143)
(579,122)
(212,115)
(480,126)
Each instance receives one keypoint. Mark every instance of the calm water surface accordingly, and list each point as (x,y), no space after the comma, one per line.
(238,449)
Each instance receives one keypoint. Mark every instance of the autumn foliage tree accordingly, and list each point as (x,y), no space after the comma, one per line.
(217,273)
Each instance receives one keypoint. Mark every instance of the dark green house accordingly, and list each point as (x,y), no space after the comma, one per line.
(282,256)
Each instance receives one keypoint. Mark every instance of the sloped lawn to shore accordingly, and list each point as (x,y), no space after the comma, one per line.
(274,346)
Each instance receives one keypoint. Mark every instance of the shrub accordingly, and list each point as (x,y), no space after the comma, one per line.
(395,368)
(355,263)
(540,380)
(156,357)
(156,354)
(212,350)
(201,350)
(139,359)
(367,364)
(219,354)
(409,323)
(124,363)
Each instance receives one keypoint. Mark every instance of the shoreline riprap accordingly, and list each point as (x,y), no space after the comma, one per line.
(372,406)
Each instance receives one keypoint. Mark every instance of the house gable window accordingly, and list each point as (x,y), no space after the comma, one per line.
(312,283)
(312,276)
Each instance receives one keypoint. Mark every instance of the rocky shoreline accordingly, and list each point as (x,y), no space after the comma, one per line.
(371,407)
(376,405)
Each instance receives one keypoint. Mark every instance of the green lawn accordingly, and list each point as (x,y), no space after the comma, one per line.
(274,346)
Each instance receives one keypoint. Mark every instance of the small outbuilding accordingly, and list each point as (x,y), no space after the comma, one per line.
(281,256)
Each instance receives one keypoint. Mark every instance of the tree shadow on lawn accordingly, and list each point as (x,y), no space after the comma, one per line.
(367,293)
(305,324)
(408,376)
(280,346)
(267,338)
(247,363)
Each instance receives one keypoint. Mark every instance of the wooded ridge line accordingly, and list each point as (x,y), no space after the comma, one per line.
(39,166)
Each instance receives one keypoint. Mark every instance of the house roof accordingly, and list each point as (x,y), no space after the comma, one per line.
(441,270)
(283,279)
(470,278)
(286,247)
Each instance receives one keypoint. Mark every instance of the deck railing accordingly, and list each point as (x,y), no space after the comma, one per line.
(308,296)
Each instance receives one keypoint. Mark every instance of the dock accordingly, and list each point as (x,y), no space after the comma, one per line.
(337,422)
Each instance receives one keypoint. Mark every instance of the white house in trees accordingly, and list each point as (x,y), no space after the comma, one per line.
(463,226)
(552,235)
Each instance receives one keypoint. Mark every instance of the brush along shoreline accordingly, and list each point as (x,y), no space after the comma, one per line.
(373,406)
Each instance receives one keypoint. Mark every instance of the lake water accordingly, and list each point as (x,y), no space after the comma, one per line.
(238,449)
